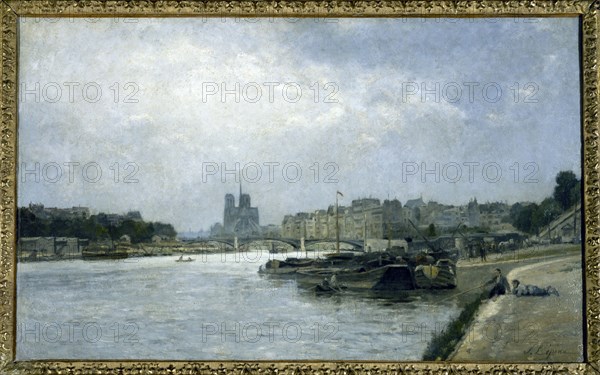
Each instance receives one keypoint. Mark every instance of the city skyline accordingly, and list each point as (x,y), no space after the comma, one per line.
(344,202)
(176,114)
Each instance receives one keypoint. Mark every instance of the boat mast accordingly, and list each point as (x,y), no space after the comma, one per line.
(365,235)
(304,239)
(390,221)
(337,225)
(422,236)
(389,229)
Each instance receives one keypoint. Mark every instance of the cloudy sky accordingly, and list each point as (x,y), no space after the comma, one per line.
(490,107)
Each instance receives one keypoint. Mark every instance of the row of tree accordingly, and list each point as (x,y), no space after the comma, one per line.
(533,217)
(29,225)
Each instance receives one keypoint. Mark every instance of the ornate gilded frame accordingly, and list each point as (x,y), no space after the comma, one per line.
(11,10)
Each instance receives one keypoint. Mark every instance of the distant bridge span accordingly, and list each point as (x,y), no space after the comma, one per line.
(358,245)
(208,240)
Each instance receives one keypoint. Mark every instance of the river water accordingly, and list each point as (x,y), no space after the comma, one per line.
(215,308)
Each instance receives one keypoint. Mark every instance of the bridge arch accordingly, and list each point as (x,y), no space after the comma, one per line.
(287,241)
(356,244)
(209,240)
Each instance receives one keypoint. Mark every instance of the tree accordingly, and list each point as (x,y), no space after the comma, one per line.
(576,193)
(523,217)
(515,209)
(431,230)
(546,212)
(163,229)
(100,232)
(29,225)
(92,230)
(138,231)
(564,191)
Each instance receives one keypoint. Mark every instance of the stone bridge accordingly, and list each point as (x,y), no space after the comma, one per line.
(294,242)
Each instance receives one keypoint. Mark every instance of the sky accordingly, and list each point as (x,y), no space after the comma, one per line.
(157,115)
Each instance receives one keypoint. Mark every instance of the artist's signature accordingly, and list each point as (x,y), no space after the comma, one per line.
(545,351)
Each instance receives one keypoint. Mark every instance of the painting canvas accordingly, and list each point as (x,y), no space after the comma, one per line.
(380,189)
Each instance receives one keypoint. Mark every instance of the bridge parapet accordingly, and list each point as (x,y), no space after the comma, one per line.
(357,244)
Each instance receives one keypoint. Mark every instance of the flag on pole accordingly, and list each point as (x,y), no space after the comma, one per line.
(340,193)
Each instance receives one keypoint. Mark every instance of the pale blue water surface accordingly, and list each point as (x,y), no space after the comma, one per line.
(216,308)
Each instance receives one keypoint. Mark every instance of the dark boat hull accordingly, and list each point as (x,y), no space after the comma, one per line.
(438,276)
(358,275)
(397,277)
(290,266)
(391,277)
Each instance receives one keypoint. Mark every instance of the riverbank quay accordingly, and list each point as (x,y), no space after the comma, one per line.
(470,292)
(132,251)
(529,328)
(472,274)
(169,248)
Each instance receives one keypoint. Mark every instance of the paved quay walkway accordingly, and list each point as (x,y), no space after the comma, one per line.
(530,329)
